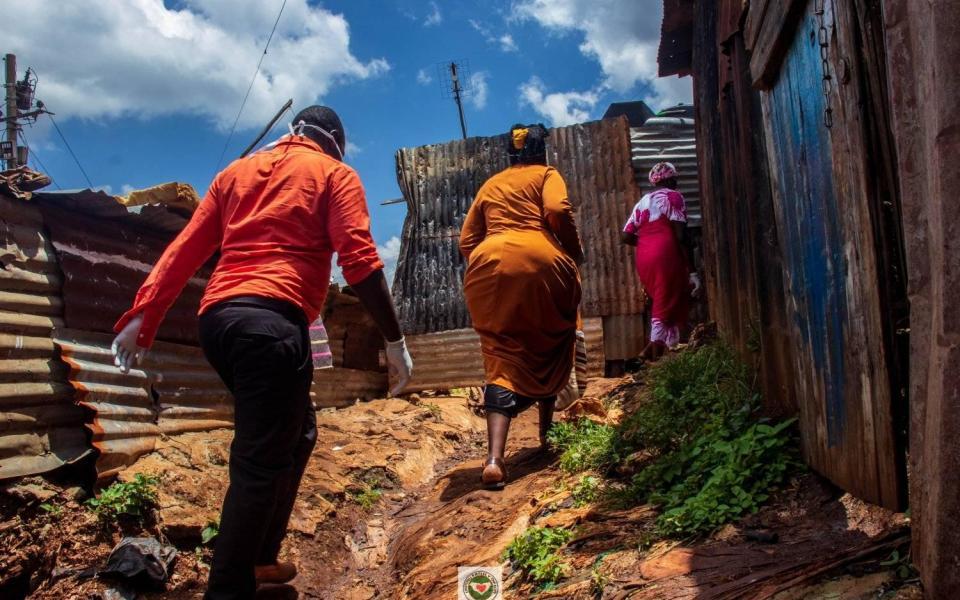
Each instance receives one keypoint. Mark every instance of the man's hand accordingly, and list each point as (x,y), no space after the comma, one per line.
(399,365)
(126,353)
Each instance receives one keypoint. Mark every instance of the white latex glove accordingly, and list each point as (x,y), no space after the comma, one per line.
(399,365)
(126,353)
(696,285)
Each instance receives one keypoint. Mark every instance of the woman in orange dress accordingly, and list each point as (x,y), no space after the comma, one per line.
(522,288)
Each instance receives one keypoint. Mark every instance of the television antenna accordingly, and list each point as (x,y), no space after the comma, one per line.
(454,76)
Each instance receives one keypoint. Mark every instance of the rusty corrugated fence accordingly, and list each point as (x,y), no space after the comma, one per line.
(439,183)
(40,426)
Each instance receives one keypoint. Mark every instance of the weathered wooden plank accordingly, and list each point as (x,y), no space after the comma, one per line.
(773,38)
(827,230)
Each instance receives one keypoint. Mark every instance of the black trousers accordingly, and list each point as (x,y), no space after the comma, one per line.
(261,350)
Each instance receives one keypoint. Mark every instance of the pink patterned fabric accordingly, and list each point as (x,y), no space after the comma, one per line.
(658,203)
(661,171)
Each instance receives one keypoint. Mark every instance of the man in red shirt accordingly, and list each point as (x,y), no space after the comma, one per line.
(276,217)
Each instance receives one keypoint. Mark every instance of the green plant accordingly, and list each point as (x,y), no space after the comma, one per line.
(367,497)
(132,499)
(434,410)
(209,532)
(583,446)
(586,490)
(712,461)
(900,564)
(535,553)
(54,510)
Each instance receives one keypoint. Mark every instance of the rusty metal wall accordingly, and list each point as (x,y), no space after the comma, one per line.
(670,139)
(800,253)
(174,391)
(337,387)
(106,252)
(923,50)
(439,183)
(451,359)
(40,426)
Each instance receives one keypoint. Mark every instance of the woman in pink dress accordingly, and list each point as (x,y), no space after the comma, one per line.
(656,226)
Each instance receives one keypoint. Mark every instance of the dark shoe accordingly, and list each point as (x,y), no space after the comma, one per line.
(494,474)
(280,572)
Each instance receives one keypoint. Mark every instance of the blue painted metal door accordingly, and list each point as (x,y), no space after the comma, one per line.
(844,402)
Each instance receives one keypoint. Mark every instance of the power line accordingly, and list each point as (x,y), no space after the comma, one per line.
(252,80)
(32,153)
(67,144)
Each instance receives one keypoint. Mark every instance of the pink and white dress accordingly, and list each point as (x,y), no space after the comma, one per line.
(661,262)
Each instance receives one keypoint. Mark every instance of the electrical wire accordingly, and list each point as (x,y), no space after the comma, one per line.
(67,144)
(250,87)
(32,153)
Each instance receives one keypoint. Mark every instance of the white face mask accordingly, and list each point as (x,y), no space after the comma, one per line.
(298,130)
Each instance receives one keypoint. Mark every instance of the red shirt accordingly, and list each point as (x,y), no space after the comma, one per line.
(277,217)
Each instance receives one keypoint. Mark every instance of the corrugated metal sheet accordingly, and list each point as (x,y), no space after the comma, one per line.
(675,52)
(595,160)
(671,139)
(338,387)
(40,426)
(439,182)
(624,336)
(174,391)
(105,253)
(452,359)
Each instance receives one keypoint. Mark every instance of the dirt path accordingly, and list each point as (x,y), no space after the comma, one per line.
(391,505)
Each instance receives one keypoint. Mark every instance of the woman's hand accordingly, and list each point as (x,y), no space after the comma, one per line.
(126,353)
(696,286)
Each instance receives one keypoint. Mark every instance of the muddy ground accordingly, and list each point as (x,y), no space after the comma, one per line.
(432,516)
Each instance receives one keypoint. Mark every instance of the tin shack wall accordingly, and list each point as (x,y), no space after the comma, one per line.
(741,248)
(923,50)
(40,426)
(439,182)
(800,226)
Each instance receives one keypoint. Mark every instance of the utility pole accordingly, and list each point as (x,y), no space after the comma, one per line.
(12,111)
(457,89)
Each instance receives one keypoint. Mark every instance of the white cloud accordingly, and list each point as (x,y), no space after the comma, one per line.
(478,89)
(389,253)
(353,149)
(622,35)
(560,108)
(126,188)
(424,78)
(505,41)
(140,58)
(434,18)
(507,44)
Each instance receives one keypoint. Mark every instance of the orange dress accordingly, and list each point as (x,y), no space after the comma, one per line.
(522,284)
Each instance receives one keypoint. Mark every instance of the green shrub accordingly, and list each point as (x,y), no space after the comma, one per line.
(583,446)
(131,499)
(535,553)
(713,462)
(367,497)
(586,490)
(211,531)
(708,459)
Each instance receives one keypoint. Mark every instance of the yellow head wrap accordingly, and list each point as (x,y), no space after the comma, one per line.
(519,137)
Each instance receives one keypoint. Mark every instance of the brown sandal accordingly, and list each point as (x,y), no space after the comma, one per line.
(494,475)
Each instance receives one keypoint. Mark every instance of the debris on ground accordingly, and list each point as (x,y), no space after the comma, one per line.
(391,505)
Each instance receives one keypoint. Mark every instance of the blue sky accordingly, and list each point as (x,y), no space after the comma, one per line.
(146,91)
